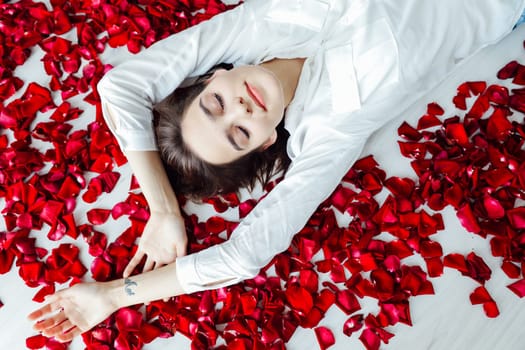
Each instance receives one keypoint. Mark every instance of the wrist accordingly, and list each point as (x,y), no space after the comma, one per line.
(163,201)
(138,289)
(154,183)
(165,212)
(115,293)
(165,207)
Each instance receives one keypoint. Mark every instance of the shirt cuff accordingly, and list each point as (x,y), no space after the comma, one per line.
(219,272)
(143,140)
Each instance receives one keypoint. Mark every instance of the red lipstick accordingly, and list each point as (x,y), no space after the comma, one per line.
(255,96)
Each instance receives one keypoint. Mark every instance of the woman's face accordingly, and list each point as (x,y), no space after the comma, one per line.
(235,114)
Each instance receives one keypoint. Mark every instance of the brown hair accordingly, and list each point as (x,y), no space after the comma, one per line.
(193,177)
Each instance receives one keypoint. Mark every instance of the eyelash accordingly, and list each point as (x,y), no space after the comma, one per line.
(221,103)
(244,131)
(220,100)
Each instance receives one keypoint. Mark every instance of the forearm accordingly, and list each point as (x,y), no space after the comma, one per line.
(153,180)
(151,176)
(153,285)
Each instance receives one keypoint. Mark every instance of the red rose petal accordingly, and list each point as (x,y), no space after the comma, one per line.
(324,300)
(245,207)
(299,299)
(477,268)
(347,301)
(516,217)
(42,293)
(517,102)
(370,339)
(101,269)
(518,288)
(491,309)
(435,109)
(408,132)
(509,71)
(414,150)
(456,132)
(468,219)
(98,216)
(127,319)
(493,208)
(384,283)
(456,261)
(353,324)
(477,87)
(498,94)
(36,342)
(431,249)
(428,121)
(480,296)
(215,224)
(51,212)
(519,77)
(325,337)
(434,266)
(511,269)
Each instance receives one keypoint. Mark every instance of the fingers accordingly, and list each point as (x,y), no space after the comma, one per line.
(50,322)
(52,319)
(148,266)
(44,310)
(58,329)
(151,263)
(133,263)
(69,335)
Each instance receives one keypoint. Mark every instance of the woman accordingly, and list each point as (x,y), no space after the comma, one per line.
(340,69)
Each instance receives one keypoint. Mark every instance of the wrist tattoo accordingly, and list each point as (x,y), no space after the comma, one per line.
(128,284)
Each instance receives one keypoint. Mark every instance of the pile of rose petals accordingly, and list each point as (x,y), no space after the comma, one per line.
(473,162)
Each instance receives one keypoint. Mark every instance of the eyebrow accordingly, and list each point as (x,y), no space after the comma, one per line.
(212,118)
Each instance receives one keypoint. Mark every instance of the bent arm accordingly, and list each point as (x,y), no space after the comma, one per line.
(149,171)
(129,91)
(270,227)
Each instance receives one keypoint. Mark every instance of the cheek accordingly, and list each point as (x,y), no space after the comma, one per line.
(267,130)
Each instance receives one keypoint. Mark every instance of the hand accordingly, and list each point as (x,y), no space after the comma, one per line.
(163,240)
(73,311)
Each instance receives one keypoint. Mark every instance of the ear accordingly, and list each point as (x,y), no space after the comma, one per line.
(271,140)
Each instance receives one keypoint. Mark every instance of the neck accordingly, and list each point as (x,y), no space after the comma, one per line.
(287,72)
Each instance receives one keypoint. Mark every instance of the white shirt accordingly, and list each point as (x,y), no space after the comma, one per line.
(367,60)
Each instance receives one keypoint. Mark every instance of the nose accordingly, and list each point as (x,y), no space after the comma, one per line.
(242,108)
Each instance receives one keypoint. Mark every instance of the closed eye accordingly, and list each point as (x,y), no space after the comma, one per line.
(219,99)
(212,118)
(244,131)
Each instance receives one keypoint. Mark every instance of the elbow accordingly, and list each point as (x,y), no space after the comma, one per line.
(250,273)
(104,90)
(103,86)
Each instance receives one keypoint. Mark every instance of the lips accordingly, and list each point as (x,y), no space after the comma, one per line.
(255,96)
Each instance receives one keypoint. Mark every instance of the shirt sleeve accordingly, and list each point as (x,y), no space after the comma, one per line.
(130,90)
(328,153)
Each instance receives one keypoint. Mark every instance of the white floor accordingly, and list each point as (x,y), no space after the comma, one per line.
(444,321)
